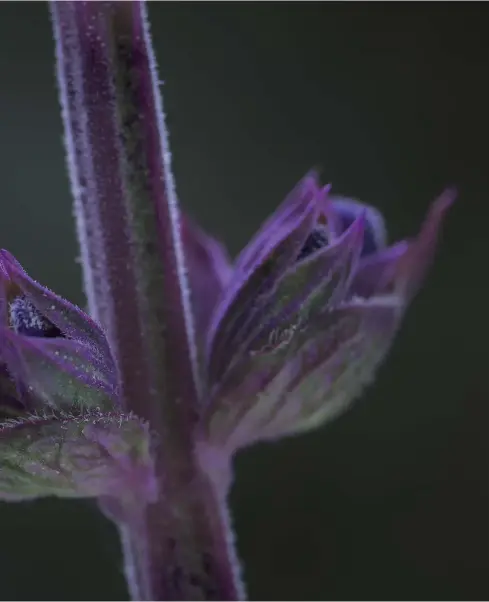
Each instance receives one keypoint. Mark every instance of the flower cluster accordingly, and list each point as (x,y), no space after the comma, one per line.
(288,336)
(305,315)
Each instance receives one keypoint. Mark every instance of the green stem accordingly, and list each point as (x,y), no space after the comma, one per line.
(128,226)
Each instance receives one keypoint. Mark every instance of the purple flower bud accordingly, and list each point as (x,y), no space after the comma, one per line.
(53,352)
(346,212)
(62,432)
(307,315)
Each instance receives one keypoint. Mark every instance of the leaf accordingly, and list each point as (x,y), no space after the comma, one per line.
(208,268)
(61,373)
(316,284)
(10,406)
(252,292)
(377,273)
(414,264)
(283,220)
(302,384)
(332,369)
(401,268)
(90,455)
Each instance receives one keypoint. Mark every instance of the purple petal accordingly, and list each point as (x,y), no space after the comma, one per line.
(314,285)
(342,212)
(250,292)
(311,287)
(376,274)
(281,222)
(209,270)
(415,263)
(400,269)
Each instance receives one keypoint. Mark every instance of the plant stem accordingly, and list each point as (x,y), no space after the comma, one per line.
(178,548)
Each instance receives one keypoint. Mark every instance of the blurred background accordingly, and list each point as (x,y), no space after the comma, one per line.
(392,102)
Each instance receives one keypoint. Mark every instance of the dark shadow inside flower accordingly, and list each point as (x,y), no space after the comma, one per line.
(346,215)
(315,241)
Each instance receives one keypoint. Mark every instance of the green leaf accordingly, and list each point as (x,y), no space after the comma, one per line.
(308,380)
(90,455)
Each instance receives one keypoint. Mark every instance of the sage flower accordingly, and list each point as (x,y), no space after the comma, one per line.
(306,315)
(63,432)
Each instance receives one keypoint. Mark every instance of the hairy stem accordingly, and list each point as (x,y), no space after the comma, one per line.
(178,548)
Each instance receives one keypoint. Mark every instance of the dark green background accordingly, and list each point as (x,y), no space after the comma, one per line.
(391,500)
